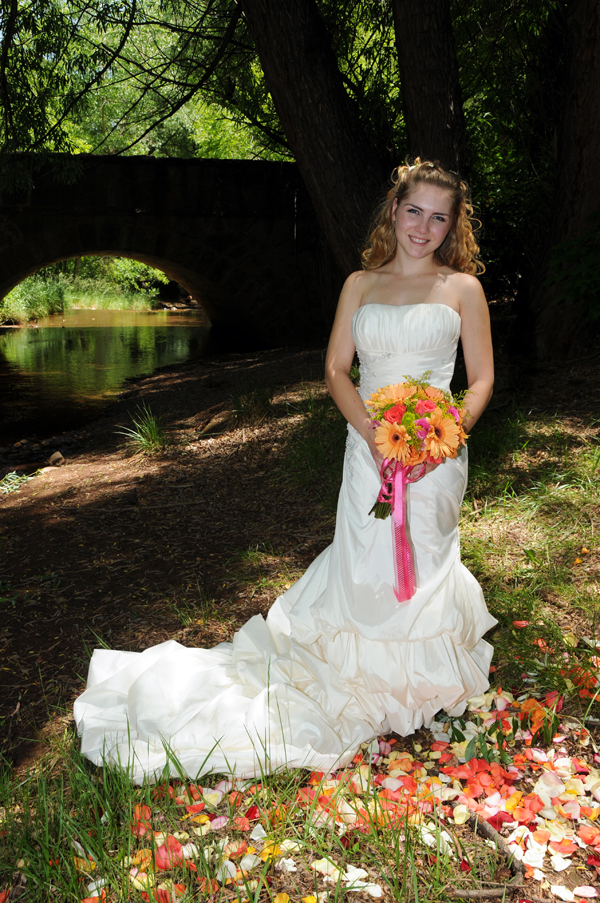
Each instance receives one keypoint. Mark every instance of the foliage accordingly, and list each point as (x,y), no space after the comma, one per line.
(13,481)
(133,276)
(182,78)
(32,299)
(574,269)
(98,282)
(148,435)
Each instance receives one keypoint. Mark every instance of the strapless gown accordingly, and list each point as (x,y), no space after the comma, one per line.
(338,660)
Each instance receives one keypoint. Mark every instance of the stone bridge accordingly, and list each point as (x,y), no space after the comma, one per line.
(241,236)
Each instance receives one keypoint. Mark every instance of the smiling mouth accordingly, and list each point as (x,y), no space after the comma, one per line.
(418,241)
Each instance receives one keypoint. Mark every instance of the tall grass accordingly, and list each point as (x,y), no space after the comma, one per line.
(147,435)
(89,294)
(32,299)
(100,283)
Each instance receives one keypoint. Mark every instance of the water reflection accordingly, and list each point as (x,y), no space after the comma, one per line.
(64,371)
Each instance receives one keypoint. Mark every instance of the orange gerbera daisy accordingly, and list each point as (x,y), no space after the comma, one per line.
(392,441)
(434,394)
(399,392)
(443,438)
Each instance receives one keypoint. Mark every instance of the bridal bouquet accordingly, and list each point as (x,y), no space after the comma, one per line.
(414,423)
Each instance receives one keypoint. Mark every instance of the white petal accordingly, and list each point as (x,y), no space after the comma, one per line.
(563,893)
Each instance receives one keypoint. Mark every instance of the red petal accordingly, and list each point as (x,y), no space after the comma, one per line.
(197,807)
(464,866)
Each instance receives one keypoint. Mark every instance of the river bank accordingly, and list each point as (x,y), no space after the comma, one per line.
(131,550)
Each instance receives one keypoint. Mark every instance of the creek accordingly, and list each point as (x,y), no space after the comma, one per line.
(64,370)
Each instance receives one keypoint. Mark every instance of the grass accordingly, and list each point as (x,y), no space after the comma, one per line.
(90,294)
(316,449)
(31,300)
(252,402)
(528,533)
(148,435)
(67,826)
(37,297)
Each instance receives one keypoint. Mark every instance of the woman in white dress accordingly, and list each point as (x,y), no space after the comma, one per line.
(339,660)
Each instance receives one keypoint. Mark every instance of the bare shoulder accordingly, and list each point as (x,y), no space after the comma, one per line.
(360,280)
(354,289)
(469,293)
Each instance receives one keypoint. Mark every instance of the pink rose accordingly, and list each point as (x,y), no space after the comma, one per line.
(424,407)
(423,427)
(452,410)
(395,414)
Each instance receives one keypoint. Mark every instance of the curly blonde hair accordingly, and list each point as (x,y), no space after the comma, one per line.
(459,250)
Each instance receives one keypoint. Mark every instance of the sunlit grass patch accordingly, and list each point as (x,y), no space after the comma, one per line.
(315,446)
(261,571)
(148,434)
(528,534)
(252,401)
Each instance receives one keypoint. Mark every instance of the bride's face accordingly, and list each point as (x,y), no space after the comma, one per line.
(422,220)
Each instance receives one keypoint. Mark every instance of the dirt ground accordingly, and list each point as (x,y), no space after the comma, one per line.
(129,551)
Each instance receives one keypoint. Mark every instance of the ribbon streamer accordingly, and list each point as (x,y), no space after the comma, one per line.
(394,479)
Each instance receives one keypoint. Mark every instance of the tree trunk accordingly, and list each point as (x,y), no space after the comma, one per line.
(322,125)
(561,327)
(431,94)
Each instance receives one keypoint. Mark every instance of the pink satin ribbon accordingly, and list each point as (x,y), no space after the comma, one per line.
(393,491)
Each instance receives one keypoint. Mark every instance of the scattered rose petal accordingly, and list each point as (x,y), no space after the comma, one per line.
(325,867)
(563,893)
(226,870)
(520,623)
(585,891)
(461,814)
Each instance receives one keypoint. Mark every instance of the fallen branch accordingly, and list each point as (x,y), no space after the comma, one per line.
(484,894)
(492,893)
(483,827)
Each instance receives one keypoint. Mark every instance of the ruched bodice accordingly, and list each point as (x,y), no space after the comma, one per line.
(394,341)
(338,660)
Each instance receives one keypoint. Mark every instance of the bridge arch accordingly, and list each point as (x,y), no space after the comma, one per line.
(240,236)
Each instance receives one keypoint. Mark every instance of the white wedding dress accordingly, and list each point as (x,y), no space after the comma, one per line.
(338,660)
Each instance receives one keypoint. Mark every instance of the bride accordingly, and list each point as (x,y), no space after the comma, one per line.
(339,660)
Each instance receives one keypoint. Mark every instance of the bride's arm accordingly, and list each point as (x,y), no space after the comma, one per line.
(340,354)
(476,341)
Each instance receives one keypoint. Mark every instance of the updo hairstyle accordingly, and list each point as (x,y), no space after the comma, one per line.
(459,250)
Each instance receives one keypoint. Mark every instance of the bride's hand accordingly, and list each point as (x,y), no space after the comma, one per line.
(376,454)
(418,471)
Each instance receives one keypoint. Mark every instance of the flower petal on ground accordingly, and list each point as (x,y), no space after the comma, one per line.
(563,893)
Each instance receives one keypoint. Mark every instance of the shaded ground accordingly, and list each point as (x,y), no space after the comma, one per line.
(132,551)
